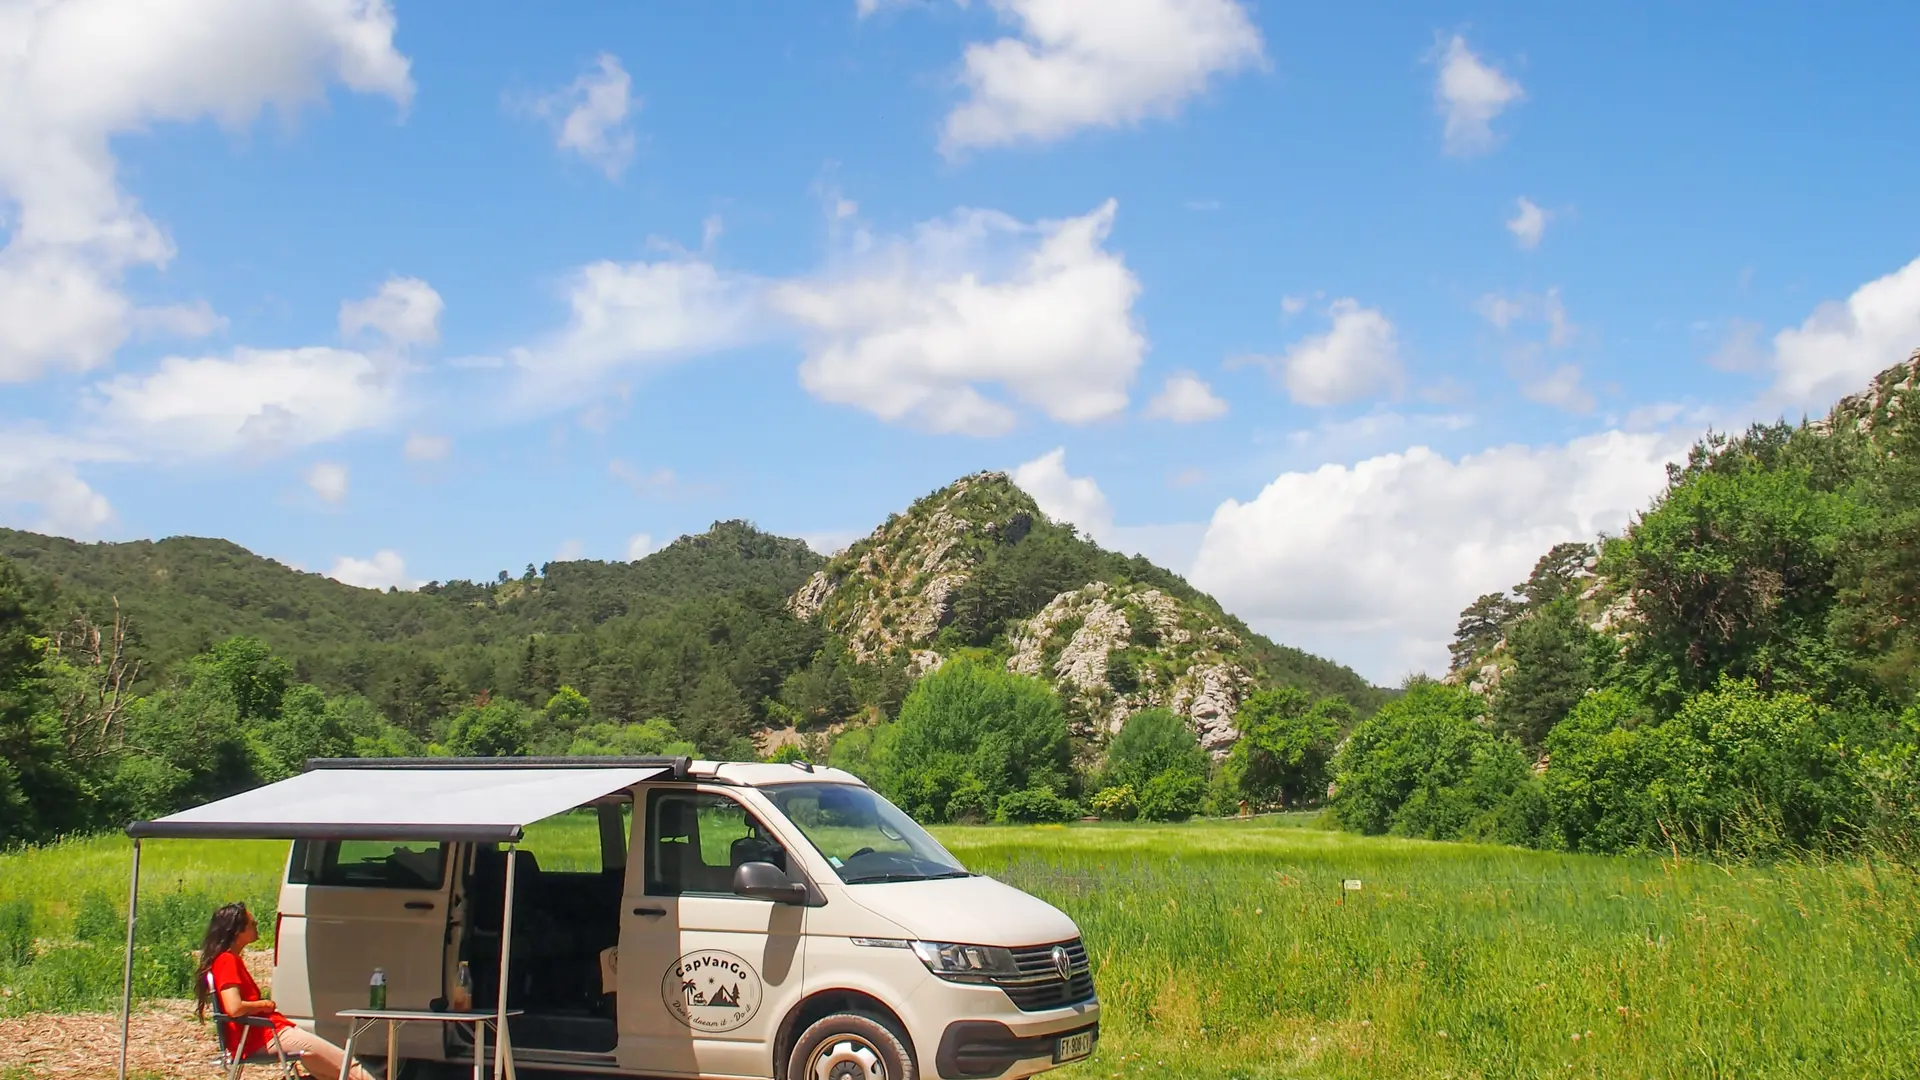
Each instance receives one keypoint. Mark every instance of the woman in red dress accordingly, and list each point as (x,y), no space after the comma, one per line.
(223,972)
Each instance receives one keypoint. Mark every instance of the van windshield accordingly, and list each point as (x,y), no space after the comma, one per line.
(864,837)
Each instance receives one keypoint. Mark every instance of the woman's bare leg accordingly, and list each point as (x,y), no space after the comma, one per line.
(320,1057)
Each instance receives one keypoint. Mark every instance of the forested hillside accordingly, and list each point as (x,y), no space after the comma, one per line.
(1737,673)
(155,674)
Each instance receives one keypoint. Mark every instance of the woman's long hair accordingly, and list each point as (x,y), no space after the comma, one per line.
(222,929)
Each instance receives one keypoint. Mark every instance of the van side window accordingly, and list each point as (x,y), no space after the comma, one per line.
(695,839)
(368,864)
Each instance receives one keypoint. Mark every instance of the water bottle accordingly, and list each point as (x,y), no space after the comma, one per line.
(377,989)
(463,989)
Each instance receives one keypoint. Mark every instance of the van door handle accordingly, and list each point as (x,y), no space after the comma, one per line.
(419,905)
(650,912)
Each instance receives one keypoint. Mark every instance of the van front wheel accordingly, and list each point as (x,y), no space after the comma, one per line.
(849,1046)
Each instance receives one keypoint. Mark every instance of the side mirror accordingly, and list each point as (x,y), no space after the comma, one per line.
(765,881)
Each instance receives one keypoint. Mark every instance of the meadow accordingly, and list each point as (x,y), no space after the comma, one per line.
(1232,950)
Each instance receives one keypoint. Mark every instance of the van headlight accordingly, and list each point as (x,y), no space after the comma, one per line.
(966,963)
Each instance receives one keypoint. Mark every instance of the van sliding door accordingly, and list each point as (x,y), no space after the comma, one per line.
(355,905)
(705,975)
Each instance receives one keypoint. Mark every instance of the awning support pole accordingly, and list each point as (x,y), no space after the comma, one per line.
(501,1045)
(126,973)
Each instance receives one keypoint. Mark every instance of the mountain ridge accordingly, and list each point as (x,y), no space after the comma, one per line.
(728,632)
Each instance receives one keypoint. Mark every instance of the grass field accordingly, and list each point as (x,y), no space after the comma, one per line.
(1229,949)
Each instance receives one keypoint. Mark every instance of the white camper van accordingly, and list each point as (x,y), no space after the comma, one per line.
(697,919)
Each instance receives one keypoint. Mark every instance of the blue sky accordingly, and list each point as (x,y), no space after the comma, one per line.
(1346,314)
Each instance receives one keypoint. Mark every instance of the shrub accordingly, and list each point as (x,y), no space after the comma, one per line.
(1423,766)
(1116,803)
(97,919)
(1172,796)
(1036,805)
(1152,742)
(499,728)
(968,725)
(16,932)
(1285,747)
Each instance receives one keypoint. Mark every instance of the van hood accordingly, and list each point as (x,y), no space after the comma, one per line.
(969,911)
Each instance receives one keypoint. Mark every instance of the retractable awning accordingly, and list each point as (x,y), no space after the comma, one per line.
(480,802)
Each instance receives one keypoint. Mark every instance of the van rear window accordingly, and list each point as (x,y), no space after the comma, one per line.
(368,864)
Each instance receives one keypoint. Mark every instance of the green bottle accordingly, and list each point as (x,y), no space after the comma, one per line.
(377,989)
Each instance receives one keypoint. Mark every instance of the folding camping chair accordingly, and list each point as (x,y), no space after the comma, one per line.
(275,1056)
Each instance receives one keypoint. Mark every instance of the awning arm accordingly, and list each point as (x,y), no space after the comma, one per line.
(126,974)
(502,1045)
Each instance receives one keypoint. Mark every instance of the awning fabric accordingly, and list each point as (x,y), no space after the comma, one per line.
(477,803)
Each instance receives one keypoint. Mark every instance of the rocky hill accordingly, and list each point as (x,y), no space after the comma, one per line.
(976,568)
(730,635)
(1573,573)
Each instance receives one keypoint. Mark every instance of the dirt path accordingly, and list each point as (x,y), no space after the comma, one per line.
(165,1041)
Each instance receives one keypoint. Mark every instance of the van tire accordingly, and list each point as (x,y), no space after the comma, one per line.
(849,1046)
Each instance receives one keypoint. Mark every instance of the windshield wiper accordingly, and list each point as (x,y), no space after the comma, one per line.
(866,879)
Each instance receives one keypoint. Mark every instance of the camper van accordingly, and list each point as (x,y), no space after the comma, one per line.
(712,920)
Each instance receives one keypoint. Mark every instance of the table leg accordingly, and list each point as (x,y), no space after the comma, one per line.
(346,1052)
(503,1049)
(479,1049)
(393,1050)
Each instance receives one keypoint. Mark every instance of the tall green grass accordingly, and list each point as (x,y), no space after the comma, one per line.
(1230,949)
(63,916)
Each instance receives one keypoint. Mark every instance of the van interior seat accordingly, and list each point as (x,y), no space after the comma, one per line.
(676,852)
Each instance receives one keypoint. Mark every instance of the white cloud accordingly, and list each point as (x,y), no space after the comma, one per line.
(1470,94)
(570,551)
(1740,348)
(37,471)
(1358,358)
(1844,344)
(406,311)
(422,447)
(831,541)
(660,481)
(1292,305)
(1078,65)
(1372,562)
(384,571)
(1074,499)
(257,400)
(1079,501)
(1559,388)
(1505,312)
(915,327)
(643,313)
(1500,310)
(590,115)
(639,546)
(1186,399)
(195,320)
(76,232)
(1528,224)
(1557,385)
(328,479)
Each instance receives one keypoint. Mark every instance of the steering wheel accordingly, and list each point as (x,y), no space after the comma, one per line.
(857,854)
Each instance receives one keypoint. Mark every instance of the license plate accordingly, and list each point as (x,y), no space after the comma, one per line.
(1073,1047)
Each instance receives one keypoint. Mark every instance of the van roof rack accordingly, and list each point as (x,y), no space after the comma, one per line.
(679,767)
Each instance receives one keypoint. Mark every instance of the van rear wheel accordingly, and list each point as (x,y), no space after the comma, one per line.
(849,1046)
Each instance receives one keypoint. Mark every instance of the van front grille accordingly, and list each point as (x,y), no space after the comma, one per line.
(1039,986)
